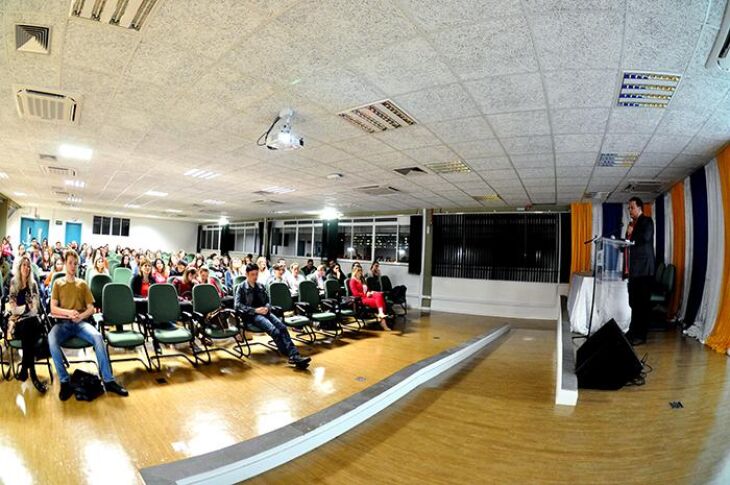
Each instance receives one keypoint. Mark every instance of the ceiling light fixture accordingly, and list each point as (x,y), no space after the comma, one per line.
(155,193)
(76,152)
(73,199)
(213,202)
(277,190)
(456,166)
(223,221)
(335,176)
(329,213)
(173,211)
(201,174)
(20,194)
(3,175)
(76,183)
(132,206)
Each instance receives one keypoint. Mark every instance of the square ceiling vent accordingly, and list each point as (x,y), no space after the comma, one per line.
(647,89)
(378,190)
(376,117)
(617,159)
(644,186)
(32,38)
(129,14)
(48,106)
(406,171)
(58,171)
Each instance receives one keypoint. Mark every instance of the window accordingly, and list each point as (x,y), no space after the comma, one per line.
(404,233)
(317,240)
(304,241)
(385,242)
(362,243)
(110,226)
(511,247)
(344,238)
(210,236)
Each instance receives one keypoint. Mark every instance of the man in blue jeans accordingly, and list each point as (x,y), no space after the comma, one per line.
(71,304)
(253,303)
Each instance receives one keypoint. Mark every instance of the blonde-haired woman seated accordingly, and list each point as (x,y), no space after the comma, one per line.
(372,299)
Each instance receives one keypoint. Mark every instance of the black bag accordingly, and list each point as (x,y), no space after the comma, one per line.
(398,294)
(220,319)
(87,387)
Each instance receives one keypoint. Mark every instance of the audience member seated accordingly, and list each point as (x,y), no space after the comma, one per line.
(233,271)
(100,267)
(142,281)
(216,269)
(252,303)
(263,275)
(23,324)
(57,268)
(375,269)
(337,274)
(319,276)
(294,277)
(179,268)
(308,268)
(184,285)
(125,262)
(372,299)
(205,278)
(71,304)
(277,275)
(160,272)
(46,262)
(6,249)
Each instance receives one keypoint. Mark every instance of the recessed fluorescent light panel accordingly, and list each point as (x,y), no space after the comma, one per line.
(20,194)
(75,152)
(173,211)
(213,202)
(79,184)
(647,89)
(201,174)
(155,193)
(3,175)
(73,199)
(486,198)
(457,166)
(617,159)
(277,190)
(376,117)
(132,206)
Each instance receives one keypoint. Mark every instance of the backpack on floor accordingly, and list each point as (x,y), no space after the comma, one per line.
(87,387)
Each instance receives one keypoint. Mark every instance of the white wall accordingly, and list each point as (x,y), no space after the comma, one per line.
(146,233)
(495,298)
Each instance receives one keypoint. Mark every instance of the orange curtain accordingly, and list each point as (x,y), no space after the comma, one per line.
(720,337)
(647,209)
(677,194)
(581,225)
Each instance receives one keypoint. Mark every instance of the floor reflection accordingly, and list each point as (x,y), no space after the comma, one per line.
(107,463)
(275,414)
(12,467)
(208,432)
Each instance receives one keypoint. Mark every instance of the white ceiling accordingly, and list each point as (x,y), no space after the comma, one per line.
(524,91)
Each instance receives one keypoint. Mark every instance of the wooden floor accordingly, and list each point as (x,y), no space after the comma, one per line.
(494,421)
(191,412)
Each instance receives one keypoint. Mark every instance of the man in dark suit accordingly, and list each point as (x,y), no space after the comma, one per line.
(640,270)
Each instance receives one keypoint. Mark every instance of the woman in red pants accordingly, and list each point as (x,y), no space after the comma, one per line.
(373,299)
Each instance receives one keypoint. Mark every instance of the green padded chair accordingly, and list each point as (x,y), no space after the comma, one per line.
(55,277)
(113,264)
(206,300)
(189,258)
(333,291)
(318,311)
(98,282)
(122,275)
(10,367)
(237,281)
(281,303)
(163,307)
(661,297)
(119,311)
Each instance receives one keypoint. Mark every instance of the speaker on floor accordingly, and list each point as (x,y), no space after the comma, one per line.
(607,360)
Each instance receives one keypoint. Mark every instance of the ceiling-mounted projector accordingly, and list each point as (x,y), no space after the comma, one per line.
(282,138)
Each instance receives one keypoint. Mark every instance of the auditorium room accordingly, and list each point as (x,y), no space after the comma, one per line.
(364,242)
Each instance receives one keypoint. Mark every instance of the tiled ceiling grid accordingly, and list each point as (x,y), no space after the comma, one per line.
(523,91)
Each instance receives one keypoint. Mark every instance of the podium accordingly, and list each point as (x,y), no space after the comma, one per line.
(607,275)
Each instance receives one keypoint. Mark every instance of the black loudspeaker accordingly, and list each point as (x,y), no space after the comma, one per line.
(607,360)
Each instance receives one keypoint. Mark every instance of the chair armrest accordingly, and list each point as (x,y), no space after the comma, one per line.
(303,307)
(98,319)
(330,304)
(277,310)
(198,316)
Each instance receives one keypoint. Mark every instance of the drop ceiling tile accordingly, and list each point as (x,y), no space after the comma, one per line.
(477,149)
(667,143)
(363,144)
(329,128)
(490,163)
(389,160)
(576,159)
(644,172)
(438,104)
(410,66)
(337,89)
(718,125)
(692,161)
(664,42)
(436,14)
(510,48)
(408,137)
(325,154)
(432,154)
(623,143)
(574,171)
(463,129)
(647,159)
(704,146)
(528,144)
(579,121)
(696,66)
(609,173)
(520,124)
(506,94)
(578,39)
(577,143)
(586,89)
(531,173)
(502,174)
(533,160)
(698,93)
(542,6)
(634,120)
(83,49)
(682,122)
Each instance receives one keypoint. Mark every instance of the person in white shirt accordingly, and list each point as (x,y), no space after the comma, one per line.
(293,277)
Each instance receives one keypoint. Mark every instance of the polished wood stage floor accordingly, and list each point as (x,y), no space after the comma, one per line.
(492,421)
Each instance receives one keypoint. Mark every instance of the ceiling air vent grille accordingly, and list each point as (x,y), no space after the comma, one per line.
(376,117)
(58,171)
(409,171)
(720,54)
(32,38)
(617,159)
(647,89)
(46,106)
(456,166)
(486,198)
(644,186)
(378,190)
(130,14)
(596,195)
